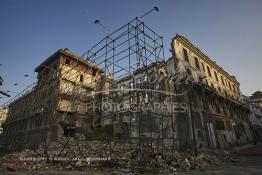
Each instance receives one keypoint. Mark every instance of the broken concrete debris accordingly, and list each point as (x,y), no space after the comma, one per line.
(75,155)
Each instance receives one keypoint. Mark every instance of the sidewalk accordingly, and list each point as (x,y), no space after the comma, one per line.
(250,149)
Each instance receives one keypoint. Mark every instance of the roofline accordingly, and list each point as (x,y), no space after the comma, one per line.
(71,55)
(199,52)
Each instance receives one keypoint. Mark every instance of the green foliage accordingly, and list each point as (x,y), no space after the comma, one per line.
(100,133)
(1,81)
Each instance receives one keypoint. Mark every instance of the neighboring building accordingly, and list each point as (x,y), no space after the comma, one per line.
(256,98)
(255,117)
(217,109)
(55,106)
(135,94)
(3,114)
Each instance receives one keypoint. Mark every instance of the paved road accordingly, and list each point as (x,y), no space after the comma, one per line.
(245,161)
(241,165)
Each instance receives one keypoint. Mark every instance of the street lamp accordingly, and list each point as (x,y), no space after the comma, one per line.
(5,93)
(16,84)
(97,21)
(154,9)
(26,75)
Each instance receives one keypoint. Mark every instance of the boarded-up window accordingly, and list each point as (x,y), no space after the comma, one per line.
(219,125)
(228,125)
(197,120)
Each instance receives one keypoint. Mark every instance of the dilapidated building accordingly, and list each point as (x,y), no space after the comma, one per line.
(55,105)
(216,108)
(188,101)
(3,114)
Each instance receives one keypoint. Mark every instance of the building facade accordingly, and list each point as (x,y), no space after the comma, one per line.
(3,115)
(55,106)
(220,118)
(255,117)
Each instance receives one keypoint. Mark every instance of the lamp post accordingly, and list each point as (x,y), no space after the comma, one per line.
(5,93)
(16,84)
(154,9)
(26,75)
(97,21)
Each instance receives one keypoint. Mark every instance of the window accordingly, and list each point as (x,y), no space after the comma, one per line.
(131,100)
(185,54)
(197,63)
(222,80)
(219,125)
(55,67)
(94,73)
(234,89)
(146,98)
(229,86)
(131,85)
(138,80)
(81,78)
(188,71)
(212,85)
(67,61)
(216,75)
(145,78)
(208,70)
(46,72)
(203,67)
(122,87)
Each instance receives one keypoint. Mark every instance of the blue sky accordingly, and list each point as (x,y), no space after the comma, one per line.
(229,31)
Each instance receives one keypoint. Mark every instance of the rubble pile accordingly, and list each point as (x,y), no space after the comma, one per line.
(101,155)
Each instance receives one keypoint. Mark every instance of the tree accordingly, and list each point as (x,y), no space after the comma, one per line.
(1,81)
(2,92)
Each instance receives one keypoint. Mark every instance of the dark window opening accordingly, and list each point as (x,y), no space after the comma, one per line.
(222,80)
(188,71)
(94,73)
(46,71)
(55,67)
(131,84)
(220,125)
(230,86)
(185,54)
(216,75)
(197,63)
(81,78)
(208,70)
(234,89)
(203,67)
(67,61)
